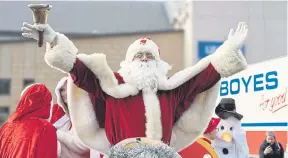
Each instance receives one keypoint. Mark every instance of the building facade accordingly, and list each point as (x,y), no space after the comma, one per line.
(206,25)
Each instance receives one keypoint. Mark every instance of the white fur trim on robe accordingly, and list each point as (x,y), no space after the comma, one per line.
(153,115)
(63,123)
(86,126)
(227,61)
(63,55)
(195,119)
(97,63)
(73,143)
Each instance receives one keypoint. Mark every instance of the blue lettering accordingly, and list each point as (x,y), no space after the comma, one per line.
(258,82)
(237,90)
(224,88)
(246,83)
(271,79)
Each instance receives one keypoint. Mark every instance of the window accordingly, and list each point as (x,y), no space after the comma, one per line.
(5,86)
(28,82)
(4,113)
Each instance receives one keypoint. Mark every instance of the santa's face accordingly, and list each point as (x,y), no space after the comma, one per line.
(144,57)
(144,71)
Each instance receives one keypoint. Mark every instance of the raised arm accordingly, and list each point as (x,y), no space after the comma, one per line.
(83,86)
(61,54)
(195,99)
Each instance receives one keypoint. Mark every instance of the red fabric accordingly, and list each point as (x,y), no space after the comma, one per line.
(26,133)
(212,125)
(57,113)
(198,149)
(122,119)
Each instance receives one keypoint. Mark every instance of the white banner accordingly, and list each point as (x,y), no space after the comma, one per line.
(260,93)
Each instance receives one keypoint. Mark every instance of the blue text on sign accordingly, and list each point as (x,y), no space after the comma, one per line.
(259,82)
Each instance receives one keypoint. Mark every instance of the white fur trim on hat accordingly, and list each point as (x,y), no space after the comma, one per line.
(142,44)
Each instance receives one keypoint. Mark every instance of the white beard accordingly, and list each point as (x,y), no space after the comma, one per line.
(144,75)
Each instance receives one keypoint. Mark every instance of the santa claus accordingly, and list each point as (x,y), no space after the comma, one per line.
(141,101)
(27,133)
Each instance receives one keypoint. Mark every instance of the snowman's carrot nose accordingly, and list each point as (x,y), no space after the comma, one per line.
(226,137)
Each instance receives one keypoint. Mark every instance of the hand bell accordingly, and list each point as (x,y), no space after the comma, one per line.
(40,16)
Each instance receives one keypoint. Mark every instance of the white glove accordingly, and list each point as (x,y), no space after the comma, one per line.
(236,39)
(31,31)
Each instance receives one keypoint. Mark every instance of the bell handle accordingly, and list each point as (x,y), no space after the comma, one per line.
(40,40)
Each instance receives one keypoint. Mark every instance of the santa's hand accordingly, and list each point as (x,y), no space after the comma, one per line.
(236,39)
(31,31)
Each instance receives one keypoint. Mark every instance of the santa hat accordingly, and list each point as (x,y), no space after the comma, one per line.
(140,45)
(212,125)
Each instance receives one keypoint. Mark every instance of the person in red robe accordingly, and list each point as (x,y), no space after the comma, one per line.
(27,133)
(202,147)
(139,100)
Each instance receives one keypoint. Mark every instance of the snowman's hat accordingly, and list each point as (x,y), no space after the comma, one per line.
(226,108)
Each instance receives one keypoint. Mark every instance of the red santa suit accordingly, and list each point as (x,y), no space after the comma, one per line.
(202,147)
(103,99)
(27,133)
(69,144)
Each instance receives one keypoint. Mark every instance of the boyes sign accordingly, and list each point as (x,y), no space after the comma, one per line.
(256,82)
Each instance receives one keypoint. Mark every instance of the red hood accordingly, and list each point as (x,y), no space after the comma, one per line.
(34,103)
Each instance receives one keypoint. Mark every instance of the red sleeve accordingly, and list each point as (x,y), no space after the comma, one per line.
(85,79)
(185,94)
(47,143)
(57,113)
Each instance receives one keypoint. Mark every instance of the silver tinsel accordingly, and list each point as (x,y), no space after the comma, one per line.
(141,150)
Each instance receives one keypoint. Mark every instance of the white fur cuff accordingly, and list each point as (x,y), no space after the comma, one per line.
(63,55)
(227,61)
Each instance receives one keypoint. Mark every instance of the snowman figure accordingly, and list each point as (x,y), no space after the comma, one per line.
(231,138)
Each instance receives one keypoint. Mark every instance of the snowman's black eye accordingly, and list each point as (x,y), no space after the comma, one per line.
(231,128)
(222,127)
